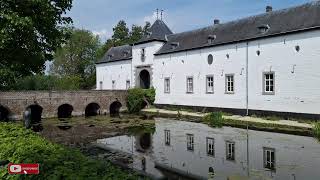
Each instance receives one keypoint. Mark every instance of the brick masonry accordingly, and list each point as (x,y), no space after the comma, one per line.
(17,101)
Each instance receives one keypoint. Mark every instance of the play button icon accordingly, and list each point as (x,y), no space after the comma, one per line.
(15,168)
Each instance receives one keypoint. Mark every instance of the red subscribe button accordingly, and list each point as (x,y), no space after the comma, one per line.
(23,168)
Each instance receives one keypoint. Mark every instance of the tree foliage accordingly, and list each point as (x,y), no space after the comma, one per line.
(42,82)
(122,35)
(30,31)
(77,57)
(137,98)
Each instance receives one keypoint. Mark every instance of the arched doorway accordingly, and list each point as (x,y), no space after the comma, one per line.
(115,109)
(144,79)
(65,111)
(32,117)
(4,113)
(92,109)
(143,142)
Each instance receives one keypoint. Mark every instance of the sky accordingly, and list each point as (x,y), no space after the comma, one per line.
(100,16)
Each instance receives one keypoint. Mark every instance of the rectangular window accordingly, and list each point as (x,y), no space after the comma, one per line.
(167,85)
(269,158)
(101,85)
(230,155)
(143,54)
(113,84)
(167,137)
(268,83)
(210,146)
(209,84)
(190,142)
(127,84)
(229,83)
(189,84)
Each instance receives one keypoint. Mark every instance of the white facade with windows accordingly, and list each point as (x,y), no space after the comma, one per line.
(268,67)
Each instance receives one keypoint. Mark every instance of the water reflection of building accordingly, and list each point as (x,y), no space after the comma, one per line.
(198,151)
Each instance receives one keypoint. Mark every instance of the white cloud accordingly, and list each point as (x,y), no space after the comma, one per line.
(151,18)
(103,34)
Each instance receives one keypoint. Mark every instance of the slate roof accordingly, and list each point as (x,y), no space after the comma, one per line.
(118,53)
(158,32)
(273,23)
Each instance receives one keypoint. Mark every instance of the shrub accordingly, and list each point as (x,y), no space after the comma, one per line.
(43,82)
(19,145)
(137,98)
(214,119)
(316,130)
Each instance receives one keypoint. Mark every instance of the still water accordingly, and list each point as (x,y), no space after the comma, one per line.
(186,150)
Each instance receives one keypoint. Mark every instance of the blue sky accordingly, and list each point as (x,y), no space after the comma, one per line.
(100,16)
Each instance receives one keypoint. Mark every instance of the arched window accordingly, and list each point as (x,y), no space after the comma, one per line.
(210,59)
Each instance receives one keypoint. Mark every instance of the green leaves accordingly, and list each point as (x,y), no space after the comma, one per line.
(137,98)
(30,31)
(214,119)
(19,145)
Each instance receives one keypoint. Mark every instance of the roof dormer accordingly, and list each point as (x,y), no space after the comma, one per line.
(211,38)
(263,28)
(174,45)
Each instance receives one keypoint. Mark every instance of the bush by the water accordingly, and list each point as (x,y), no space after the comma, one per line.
(138,98)
(316,130)
(19,145)
(214,119)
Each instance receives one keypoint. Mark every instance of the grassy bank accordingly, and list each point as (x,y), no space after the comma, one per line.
(19,145)
(270,127)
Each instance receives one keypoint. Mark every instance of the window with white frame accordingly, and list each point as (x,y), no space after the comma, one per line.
(113,84)
(167,85)
(268,83)
(210,146)
(127,84)
(189,84)
(167,137)
(269,158)
(229,83)
(190,142)
(209,83)
(230,154)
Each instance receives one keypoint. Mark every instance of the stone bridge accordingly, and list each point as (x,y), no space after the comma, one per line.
(62,104)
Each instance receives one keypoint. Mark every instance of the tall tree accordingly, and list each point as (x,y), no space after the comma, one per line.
(122,35)
(135,34)
(146,28)
(77,56)
(120,32)
(30,31)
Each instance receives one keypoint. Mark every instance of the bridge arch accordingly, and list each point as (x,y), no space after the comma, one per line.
(65,111)
(4,113)
(34,113)
(114,108)
(92,109)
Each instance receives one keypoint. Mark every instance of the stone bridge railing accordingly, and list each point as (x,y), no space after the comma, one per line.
(13,104)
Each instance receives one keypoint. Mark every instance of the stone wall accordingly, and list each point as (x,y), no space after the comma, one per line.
(17,101)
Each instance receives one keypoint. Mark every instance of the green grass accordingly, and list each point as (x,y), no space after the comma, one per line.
(214,119)
(316,130)
(19,145)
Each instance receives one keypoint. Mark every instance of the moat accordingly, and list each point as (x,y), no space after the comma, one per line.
(170,149)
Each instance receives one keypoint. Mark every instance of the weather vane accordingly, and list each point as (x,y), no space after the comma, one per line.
(157,13)
(161,14)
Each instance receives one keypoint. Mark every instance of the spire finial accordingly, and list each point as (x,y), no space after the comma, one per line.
(157,13)
(161,14)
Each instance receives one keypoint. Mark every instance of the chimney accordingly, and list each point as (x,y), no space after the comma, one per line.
(216,21)
(268,9)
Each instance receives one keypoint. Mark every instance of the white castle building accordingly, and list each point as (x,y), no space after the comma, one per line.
(268,63)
